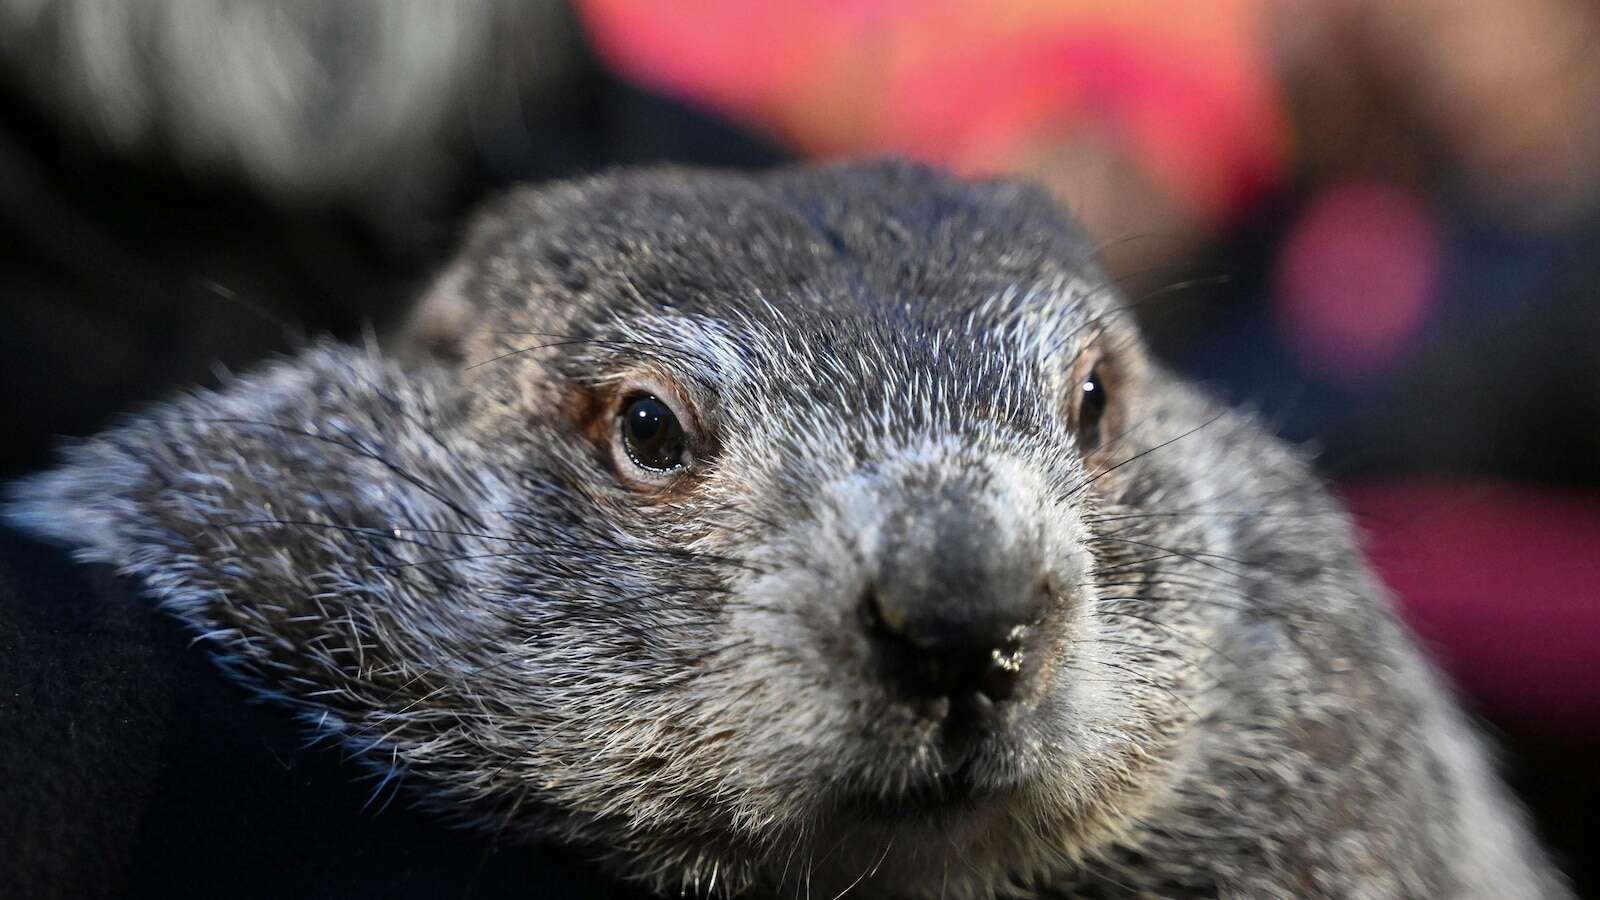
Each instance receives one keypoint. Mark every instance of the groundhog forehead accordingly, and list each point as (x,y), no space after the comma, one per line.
(887,240)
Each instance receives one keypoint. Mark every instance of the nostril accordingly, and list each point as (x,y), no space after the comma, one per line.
(1045,593)
(911,670)
(871,614)
(1002,671)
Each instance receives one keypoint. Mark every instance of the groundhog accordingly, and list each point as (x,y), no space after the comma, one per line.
(819,531)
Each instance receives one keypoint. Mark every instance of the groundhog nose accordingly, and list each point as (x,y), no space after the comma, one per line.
(953,618)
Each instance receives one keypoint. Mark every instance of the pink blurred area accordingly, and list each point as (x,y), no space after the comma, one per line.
(1356,280)
(1183,89)
(1502,584)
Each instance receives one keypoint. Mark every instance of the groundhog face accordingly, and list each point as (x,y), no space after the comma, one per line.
(786,531)
(847,459)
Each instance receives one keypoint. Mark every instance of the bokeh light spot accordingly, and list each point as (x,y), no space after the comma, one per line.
(1355,280)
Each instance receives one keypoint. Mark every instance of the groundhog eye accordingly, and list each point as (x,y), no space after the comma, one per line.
(1091,409)
(651,434)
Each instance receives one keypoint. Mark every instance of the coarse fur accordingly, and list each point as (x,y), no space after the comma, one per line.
(430,552)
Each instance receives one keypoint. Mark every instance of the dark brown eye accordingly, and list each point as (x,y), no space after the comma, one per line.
(651,434)
(1091,403)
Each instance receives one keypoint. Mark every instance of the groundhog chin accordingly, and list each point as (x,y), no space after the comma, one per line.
(996,830)
(947,756)
(980,809)
(993,829)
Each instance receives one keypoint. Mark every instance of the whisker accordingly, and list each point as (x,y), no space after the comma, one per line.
(1146,452)
(359,450)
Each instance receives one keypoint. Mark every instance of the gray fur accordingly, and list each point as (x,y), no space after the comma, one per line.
(420,550)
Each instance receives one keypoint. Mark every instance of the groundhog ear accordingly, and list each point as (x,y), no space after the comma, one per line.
(308,472)
(284,518)
(436,328)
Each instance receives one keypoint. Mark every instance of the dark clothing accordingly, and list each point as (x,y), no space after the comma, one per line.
(131,767)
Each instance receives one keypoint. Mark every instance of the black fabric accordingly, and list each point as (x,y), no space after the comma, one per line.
(131,767)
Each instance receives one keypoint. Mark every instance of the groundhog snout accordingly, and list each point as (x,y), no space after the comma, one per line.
(956,605)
